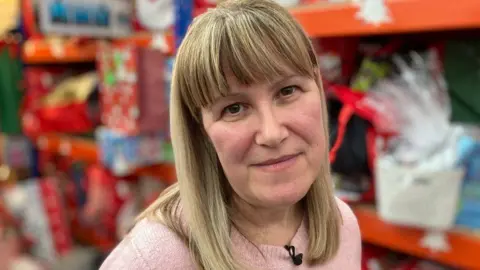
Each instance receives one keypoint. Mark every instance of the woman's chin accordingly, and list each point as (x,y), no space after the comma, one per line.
(281,197)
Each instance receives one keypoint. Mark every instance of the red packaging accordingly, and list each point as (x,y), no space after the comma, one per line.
(36,119)
(39,204)
(337,59)
(132,89)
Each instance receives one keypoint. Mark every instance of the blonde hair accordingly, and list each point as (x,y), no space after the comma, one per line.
(256,40)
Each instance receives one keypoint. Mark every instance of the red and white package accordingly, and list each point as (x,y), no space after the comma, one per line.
(38,205)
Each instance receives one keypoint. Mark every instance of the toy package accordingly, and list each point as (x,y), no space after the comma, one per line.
(132,90)
(124,154)
(90,199)
(100,18)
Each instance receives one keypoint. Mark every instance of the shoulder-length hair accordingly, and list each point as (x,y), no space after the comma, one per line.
(255,40)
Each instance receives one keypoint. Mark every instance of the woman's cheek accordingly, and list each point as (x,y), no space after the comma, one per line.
(231,140)
(307,121)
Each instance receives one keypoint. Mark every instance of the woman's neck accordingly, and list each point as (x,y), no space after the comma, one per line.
(267,226)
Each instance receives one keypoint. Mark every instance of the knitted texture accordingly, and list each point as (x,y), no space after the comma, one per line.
(151,245)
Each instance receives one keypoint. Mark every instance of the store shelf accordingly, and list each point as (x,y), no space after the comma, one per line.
(56,50)
(465,246)
(340,19)
(86,150)
(319,20)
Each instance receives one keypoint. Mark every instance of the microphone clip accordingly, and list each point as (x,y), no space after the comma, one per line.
(297,259)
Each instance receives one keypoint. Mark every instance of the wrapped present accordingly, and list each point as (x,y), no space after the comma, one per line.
(43,108)
(103,201)
(124,154)
(132,89)
(41,80)
(69,107)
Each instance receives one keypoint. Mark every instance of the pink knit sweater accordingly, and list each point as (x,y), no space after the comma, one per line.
(150,245)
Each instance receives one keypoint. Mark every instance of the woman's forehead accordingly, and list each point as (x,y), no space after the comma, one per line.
(246,49)
(235,83)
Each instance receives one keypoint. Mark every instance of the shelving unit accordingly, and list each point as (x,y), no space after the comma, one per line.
(86,150)
(319,20)
(47,51)
(464,245)
(407,16)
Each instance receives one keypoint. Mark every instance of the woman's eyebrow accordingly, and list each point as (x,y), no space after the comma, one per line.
(229,95)
(280,82)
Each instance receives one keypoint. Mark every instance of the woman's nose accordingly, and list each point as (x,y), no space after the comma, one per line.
(271,132)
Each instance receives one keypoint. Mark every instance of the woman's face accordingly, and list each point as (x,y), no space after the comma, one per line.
(269,138)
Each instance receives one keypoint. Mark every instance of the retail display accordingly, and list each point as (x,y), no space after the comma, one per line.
(85,140)
(79,17)
(133,96)
(124,154)
(37,203)
(15,158)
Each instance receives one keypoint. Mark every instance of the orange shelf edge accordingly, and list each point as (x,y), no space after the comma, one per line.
(86,150)
(340,19)
(42,51)
(318,20)
(464,252)
(464,246)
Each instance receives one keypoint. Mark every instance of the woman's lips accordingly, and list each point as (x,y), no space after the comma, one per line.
(278,164)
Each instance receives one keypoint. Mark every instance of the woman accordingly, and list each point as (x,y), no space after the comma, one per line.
(249,132)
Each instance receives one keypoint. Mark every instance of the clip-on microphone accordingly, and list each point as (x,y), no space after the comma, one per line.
(296,258)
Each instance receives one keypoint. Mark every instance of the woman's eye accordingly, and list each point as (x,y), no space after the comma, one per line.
(233,109)
(288,91)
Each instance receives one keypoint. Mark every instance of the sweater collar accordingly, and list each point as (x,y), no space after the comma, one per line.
(256,255)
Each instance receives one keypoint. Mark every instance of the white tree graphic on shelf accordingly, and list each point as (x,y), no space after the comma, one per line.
(374,12)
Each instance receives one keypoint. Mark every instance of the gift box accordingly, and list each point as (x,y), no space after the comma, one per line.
(38,204)
(70,107)
(132,89)
(124,154)
(104,199)
(39,81)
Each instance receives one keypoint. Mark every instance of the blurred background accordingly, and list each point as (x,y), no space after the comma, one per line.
(84,144)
